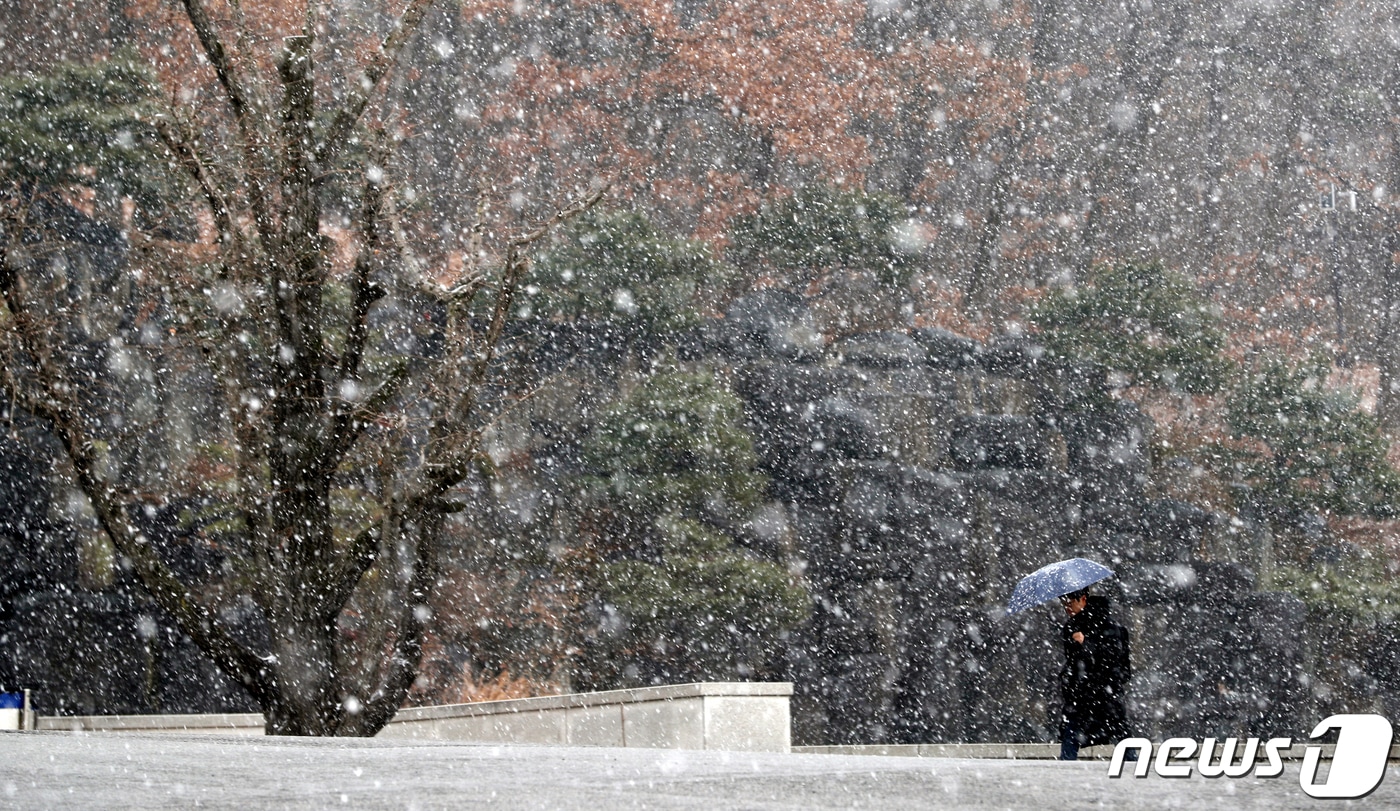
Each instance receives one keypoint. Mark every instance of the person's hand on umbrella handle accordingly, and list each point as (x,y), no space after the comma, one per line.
(1078,637)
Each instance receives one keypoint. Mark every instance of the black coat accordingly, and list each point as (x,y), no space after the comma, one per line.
(1096,674)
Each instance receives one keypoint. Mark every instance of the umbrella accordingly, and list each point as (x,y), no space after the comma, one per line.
(1055,580)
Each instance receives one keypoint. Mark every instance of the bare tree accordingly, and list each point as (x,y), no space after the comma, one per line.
(344,448)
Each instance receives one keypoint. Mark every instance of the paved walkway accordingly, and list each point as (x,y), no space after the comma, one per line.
(44,770)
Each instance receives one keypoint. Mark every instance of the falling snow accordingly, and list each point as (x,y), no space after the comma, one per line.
(371,355)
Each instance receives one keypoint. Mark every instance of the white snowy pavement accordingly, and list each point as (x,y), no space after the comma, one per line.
(48,770)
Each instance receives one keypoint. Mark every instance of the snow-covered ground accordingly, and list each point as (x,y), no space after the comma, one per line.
(45,770)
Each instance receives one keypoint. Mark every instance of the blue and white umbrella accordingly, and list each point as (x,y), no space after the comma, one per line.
(1055,580)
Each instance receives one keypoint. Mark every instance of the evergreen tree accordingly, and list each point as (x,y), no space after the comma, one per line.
(618,268)
(1141,321)
(1302,447)
(676,445)
(84,126)
(673,466)
(822,228)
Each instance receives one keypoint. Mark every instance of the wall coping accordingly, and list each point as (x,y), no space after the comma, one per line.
(638,695)
(243,721)
(116,723)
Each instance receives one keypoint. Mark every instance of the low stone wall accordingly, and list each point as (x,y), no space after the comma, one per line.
(747,717)
(732,716)
(247,723)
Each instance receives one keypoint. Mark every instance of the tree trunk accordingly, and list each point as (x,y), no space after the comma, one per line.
(307,700)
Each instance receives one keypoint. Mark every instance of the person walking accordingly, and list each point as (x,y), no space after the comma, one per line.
(1096,674)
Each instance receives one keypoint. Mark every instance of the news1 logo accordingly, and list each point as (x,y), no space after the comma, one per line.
(1358,762)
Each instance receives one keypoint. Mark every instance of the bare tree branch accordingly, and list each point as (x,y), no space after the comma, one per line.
(249,109)
(362,89)
(363,549)
(222,61)
(445,475)
(182,144)
(301,247)
(348,422)
(364,291)
(194,618)
(401,666)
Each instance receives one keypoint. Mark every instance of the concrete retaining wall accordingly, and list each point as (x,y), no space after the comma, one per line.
(249,723)
(747,717)
(732,716)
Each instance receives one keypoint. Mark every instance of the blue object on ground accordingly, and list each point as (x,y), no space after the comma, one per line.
(11,701)
(1055,580)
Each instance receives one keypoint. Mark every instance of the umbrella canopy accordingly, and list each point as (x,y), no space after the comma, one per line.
(1055,580)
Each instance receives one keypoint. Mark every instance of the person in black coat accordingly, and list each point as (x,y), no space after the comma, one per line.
(1095,676)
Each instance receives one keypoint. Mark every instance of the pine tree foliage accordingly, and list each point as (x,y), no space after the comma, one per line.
(1356,589)
(704,610)
(674,460)
(824,227)
(676,445)
(618,267)
(1305,447)
(80,125)
(1142,321)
